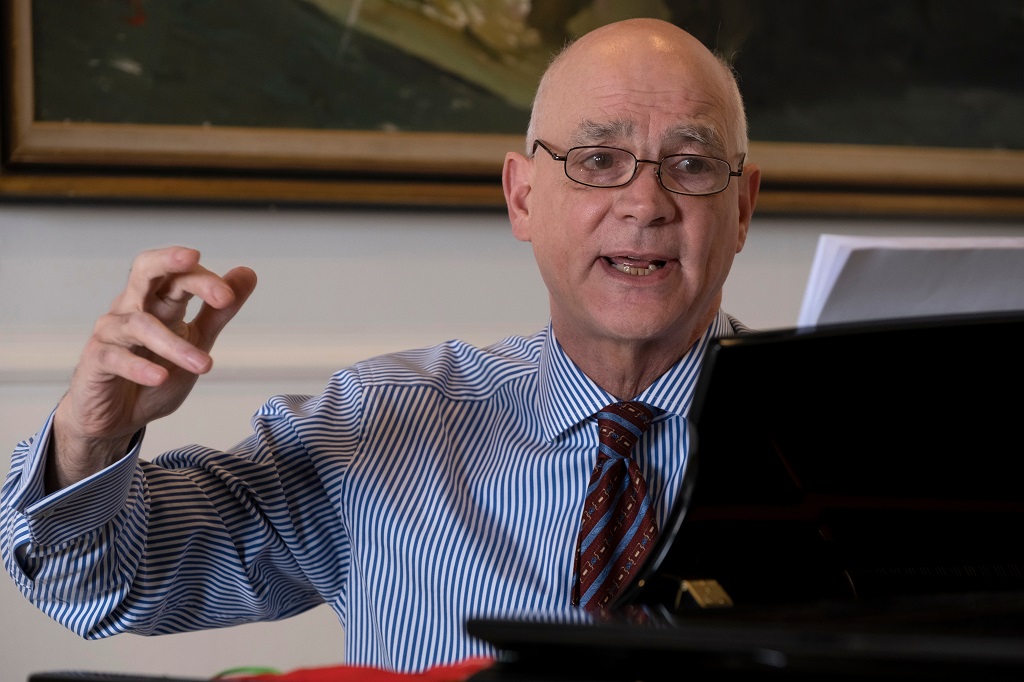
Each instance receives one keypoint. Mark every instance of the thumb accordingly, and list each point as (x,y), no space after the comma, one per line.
(209,322)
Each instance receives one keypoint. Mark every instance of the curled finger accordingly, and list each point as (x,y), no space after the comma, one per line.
(147,336)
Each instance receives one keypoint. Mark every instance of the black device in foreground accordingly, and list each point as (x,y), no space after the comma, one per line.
(853,509)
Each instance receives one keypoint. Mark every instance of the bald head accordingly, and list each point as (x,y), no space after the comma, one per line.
(643,47)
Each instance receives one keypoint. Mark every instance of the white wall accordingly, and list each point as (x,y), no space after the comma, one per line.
(335,286)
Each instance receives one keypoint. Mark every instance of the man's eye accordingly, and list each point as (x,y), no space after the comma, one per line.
(692,165)
(599,161)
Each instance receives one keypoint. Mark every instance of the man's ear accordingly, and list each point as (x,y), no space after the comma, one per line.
(749,185)
(516,181)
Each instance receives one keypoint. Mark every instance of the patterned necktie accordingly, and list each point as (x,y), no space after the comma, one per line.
(618,523)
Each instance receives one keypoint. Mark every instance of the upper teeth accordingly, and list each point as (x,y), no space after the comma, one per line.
(630,270)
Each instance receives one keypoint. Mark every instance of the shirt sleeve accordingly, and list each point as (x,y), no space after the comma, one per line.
(195,539)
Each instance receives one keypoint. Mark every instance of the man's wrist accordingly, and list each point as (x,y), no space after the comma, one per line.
(71,459)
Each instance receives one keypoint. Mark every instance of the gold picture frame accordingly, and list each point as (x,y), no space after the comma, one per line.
(44,159)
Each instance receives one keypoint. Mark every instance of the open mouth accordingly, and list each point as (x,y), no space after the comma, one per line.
(633,267)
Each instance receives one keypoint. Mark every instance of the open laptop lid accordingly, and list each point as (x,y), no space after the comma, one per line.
(855,493)
(849,462)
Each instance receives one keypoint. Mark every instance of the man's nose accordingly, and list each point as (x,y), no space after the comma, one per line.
(646,199)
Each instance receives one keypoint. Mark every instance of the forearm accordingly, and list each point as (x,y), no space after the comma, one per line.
(147,548)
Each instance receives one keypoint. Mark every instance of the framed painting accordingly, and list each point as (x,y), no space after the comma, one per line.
(891,108)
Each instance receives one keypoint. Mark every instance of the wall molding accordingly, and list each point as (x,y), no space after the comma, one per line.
(244,355)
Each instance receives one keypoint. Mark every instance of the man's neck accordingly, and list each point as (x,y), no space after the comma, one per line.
(626,369)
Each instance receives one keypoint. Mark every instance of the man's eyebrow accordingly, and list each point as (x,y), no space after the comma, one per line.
(593,132)
(703,135)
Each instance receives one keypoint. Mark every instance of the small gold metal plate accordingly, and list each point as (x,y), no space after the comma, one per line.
(707,594)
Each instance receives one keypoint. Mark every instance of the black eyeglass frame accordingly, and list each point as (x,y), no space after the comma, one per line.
(636,166)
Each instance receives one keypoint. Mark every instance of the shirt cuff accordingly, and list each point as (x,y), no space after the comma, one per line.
(79,508)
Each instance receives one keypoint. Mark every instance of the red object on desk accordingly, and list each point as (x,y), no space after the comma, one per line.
(454,672)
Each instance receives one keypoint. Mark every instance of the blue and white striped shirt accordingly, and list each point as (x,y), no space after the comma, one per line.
(418,490)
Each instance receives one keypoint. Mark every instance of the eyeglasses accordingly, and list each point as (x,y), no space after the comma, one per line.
(690,174)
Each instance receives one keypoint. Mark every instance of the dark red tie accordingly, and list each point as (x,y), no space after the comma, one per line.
(618,526)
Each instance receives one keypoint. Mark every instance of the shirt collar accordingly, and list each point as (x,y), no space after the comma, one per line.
(567,397)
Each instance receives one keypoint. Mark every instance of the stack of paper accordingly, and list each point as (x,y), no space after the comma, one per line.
(874,278)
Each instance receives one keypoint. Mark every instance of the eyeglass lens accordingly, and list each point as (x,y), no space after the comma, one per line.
(610,167)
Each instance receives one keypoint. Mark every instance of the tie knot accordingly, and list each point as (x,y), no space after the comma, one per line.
(621,424)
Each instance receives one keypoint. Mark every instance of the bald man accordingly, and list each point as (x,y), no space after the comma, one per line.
(421,488)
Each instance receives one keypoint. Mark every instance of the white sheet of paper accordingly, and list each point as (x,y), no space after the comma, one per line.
(856,278)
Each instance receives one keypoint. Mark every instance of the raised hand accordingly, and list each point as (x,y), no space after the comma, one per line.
(142,359)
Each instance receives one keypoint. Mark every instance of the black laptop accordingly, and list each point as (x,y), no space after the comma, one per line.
(853,509)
